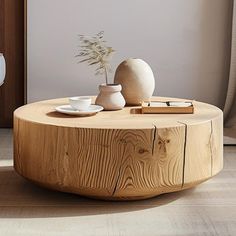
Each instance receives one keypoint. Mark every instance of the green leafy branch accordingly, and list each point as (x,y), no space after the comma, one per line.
(95,52)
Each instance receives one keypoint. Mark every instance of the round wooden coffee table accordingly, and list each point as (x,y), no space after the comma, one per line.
(117,155)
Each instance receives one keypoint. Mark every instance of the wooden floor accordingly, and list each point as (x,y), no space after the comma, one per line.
(26,209)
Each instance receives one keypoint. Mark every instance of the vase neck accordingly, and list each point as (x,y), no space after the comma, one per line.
(110,88)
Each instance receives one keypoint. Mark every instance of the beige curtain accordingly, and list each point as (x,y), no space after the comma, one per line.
(230,104)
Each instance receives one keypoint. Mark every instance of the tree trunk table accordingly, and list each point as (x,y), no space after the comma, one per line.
(117,155)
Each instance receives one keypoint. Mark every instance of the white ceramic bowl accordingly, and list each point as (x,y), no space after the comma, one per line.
(80,103)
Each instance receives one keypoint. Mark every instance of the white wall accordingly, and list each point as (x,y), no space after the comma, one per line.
(186,42)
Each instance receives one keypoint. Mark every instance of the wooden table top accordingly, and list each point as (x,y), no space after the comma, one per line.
(128,118)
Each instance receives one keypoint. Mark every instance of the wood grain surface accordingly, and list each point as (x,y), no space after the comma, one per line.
(117,155)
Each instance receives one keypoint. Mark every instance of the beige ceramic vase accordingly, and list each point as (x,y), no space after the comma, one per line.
(110,97)
(137,80)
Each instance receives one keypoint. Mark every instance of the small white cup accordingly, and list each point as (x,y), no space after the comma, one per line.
(80,103)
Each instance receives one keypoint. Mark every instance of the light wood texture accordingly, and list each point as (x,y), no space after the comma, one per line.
(25,208)
(198,153)
(117,155)
(216,145)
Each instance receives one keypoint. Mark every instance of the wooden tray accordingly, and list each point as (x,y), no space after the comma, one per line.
(167,107)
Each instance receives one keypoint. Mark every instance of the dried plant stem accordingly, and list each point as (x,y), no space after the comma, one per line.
(95,52)
(106,74)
